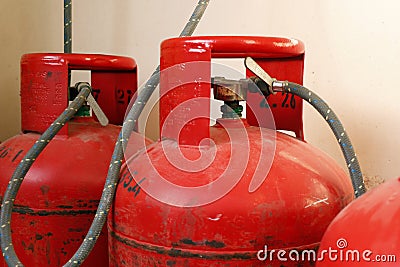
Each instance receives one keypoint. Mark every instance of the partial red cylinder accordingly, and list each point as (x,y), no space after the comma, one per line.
(59,196)
(367,232)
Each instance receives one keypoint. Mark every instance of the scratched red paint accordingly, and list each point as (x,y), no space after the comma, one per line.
(300,195)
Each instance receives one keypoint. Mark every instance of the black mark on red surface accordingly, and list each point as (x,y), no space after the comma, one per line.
(4,151)
(48,252)
(174,252)
(65,207)
(29,211)
(30,246)
(45,189)
(212,243)
(77,230)
(188,241)
(9,151)
(63,251)
(171,263)
(16,155)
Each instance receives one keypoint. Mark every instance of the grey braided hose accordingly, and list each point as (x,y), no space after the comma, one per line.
(338,130)
(113,172)
(24,166)
(68,31)
(128,126)
(67,26)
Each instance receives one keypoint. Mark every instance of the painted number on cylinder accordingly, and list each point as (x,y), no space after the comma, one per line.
(288,101)
(129,183)
(122,96)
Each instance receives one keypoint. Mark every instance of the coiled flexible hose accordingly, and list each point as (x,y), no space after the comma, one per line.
(115,165)
(338,130)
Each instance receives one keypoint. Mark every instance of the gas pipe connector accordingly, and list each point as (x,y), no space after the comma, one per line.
(103,120)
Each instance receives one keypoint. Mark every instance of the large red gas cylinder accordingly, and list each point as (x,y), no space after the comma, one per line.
(229,194)
(58,198)
(366,232)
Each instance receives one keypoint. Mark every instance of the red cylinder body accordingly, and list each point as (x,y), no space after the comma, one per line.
(298,197)
(366,232)
(59,196)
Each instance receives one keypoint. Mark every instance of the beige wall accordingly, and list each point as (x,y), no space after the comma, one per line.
(25,27)
(352,52)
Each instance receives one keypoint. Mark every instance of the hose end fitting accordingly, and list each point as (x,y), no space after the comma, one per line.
(80,85)
(278,86)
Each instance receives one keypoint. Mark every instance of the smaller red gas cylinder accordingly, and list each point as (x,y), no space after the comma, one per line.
(58,198)
(237,193)
(366,232)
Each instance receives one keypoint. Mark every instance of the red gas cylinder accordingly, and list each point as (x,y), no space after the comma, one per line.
(233,194)
(366,232)
(58,198)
